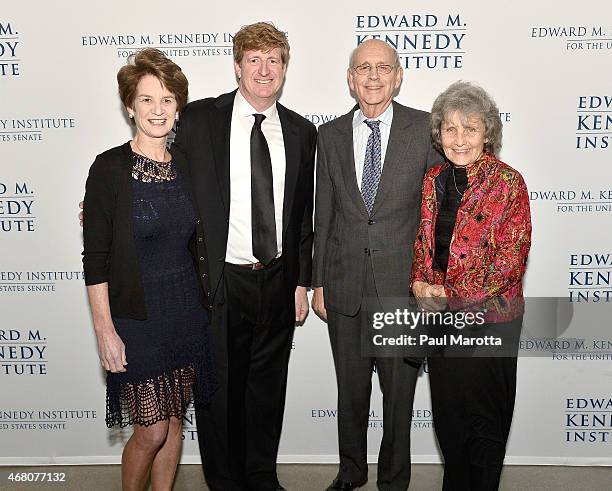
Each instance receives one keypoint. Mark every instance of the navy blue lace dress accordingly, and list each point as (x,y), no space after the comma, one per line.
(168,354)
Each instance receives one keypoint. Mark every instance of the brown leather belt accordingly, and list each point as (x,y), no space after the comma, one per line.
(258,266)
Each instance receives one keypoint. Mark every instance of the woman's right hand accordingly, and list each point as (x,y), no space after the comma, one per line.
(429,297)
(111,349)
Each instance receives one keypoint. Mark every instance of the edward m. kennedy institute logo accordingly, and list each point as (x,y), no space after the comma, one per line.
(576,38)
(17,207)
(33,129)
(173,45)
(10,63)
(423,41)
(48,419)
(590,277)
(588,420)
(594,122)
(23,352)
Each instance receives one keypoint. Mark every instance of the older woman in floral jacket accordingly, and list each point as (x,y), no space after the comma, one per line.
(470,252)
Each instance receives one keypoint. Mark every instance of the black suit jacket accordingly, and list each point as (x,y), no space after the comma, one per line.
(203,137)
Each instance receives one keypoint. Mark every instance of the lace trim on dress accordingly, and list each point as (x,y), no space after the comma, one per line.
(146,400)
(149,170)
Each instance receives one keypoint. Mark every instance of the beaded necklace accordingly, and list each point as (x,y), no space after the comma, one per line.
(146,169)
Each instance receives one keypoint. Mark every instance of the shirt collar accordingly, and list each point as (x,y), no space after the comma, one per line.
(244,109)
(385,118)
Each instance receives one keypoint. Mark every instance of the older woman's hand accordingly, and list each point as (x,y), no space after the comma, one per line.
(429,297)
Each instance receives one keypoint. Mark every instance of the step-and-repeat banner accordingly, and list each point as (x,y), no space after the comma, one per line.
(548,64)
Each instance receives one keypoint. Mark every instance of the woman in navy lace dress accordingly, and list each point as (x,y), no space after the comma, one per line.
(149,312)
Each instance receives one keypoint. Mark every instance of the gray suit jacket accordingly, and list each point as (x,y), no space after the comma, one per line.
(345,236)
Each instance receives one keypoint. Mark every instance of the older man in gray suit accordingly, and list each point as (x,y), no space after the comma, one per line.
(370,168)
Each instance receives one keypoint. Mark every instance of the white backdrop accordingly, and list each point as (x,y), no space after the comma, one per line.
(548,66)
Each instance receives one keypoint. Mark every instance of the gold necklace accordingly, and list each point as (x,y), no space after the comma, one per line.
(455,182)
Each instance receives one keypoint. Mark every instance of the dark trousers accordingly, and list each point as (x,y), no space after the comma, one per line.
(239,432)
(354,379)
(472,402)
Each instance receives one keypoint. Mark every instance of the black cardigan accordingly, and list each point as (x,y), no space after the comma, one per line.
(109,252)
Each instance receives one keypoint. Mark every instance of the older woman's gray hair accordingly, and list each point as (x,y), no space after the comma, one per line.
(468,100)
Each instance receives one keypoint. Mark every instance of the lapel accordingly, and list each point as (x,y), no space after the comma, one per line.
(291,142)
(400,139)
(346,158)
(220,128)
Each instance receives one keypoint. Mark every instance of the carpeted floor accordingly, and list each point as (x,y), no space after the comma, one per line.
(302,477)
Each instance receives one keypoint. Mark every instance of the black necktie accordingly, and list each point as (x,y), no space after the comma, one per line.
(262,196)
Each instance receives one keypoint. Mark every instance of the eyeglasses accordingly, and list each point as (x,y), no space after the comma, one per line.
(381,69)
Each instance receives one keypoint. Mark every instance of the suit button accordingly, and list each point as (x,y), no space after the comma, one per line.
(201,258)
(204,275)
(200,239)
(366,251)
(371,222)
(198,221)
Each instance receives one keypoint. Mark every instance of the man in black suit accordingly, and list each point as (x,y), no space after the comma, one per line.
(251,162)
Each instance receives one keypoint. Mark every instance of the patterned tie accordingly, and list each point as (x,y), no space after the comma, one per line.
(371,166)
(263,223)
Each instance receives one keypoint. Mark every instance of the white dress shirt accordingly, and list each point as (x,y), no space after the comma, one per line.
(361,133)
(239,240)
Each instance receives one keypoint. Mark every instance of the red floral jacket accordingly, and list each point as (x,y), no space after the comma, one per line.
(490,241)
